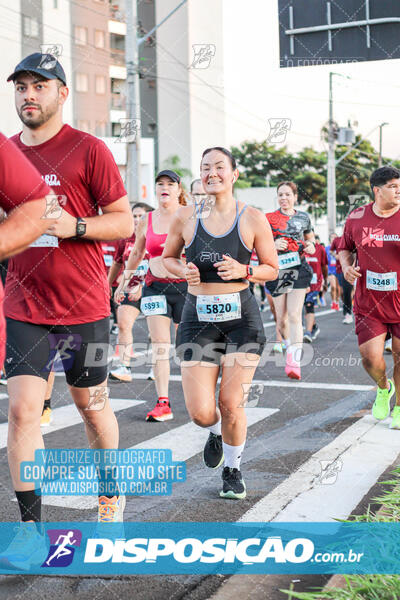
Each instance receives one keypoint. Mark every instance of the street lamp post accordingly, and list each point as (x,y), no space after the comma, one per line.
(331,167)
(133,138)
(380,143)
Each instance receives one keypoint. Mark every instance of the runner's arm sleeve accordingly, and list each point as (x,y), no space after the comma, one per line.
(20,182)
(324,257)
(23,196)
(103,175)
(346,242)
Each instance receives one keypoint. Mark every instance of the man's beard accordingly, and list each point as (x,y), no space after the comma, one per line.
(40,117)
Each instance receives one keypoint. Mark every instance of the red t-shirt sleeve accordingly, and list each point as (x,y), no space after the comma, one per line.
(324,258)
(119,252)
(104,178)
(346,242)
(20,182)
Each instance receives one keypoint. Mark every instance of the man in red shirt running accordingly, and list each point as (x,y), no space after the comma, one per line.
(57,294)
(373,233)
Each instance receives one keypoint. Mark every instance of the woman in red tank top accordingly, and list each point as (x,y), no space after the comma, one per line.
(163,295)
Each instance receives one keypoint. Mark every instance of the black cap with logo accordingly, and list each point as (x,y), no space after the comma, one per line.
(171,174)
(45,65)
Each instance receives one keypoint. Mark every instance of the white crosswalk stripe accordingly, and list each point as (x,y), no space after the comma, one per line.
(68,415)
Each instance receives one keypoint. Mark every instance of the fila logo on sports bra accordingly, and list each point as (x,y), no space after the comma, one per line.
(212,256)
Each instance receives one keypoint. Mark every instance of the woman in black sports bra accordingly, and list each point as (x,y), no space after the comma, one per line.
(221,324)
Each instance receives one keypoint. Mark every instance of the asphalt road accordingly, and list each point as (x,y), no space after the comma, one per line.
(292,424)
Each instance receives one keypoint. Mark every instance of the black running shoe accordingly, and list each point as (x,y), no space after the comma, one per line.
(213,453)
(233,484)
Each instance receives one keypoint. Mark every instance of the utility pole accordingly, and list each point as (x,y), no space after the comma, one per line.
(132,131)
(380,143)
(132,128)
(331,179)
(331,159)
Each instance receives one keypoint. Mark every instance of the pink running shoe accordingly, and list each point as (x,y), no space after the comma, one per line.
(292,368)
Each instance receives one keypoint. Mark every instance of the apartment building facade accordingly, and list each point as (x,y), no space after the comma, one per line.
(182,106)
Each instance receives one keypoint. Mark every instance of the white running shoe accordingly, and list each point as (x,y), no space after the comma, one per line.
(388,345)
(348,319)
(121,373)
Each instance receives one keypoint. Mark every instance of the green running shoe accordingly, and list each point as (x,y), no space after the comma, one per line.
(395,424)
(381,407)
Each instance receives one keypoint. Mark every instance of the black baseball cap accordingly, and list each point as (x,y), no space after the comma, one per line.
(45,65)
(171,174)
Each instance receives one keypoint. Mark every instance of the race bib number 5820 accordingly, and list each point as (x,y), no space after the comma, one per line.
(214,309)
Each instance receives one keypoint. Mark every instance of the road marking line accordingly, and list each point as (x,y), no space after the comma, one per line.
(365,450)
(291,384)
(184,441)
(68,415)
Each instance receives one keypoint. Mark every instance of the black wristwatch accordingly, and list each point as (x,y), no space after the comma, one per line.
(80,227)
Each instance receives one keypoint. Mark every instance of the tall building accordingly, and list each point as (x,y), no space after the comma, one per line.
(181,70)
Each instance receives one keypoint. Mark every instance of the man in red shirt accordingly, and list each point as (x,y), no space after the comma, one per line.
(319,264)
(57,294)
(24,201)
(373,233)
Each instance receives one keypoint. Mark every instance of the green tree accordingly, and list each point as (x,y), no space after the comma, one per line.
(173,163)
(261,164)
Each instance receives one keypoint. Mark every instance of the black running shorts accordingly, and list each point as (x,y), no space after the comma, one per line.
(127,302)
(175,294)
(201,341)
(83,349)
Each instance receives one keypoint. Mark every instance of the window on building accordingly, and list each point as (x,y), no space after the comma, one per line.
(99,39)
(83,125)
(100,84)
(80,35)
(117,86)
(82,82)
(115,129)
(31,27)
